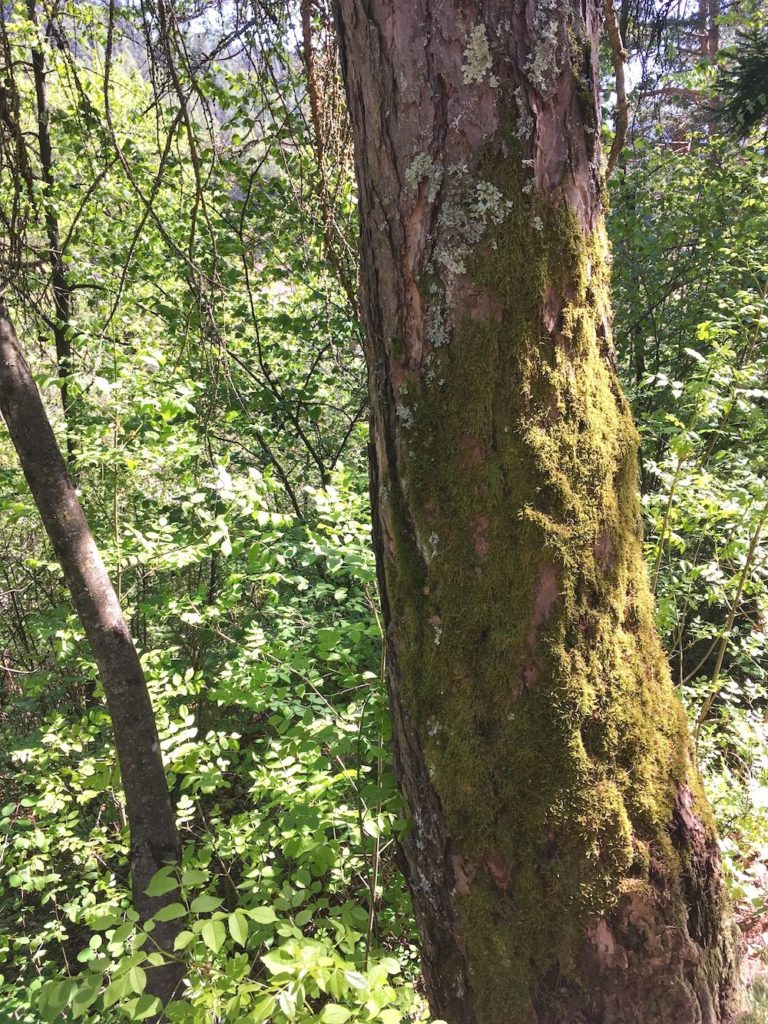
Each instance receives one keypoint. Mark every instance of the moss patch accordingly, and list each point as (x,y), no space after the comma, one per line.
(525,624)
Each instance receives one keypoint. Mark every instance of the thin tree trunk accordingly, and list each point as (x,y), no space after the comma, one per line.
(62,293)
(563,862)
(621,110)
(709,28)
(154,839)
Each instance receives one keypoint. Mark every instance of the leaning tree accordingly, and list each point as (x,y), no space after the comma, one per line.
(149,811)
(563,859)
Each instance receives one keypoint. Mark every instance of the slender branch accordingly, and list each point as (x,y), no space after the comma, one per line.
(665,524)
(726,636)
(621,113)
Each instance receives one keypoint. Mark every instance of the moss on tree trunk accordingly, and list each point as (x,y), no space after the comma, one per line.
(563,860)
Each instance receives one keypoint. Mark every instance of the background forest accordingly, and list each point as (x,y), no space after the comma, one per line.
(178,251)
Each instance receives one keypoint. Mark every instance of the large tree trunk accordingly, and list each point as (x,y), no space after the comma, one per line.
(563,860)
(154,839)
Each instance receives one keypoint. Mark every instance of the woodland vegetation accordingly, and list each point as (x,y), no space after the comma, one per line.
(179,269)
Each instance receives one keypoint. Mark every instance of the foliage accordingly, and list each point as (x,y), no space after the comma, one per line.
(219,452)
(743,82)
(276,746)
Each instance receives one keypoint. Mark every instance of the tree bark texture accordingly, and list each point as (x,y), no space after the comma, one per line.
(154,839)
(563,861)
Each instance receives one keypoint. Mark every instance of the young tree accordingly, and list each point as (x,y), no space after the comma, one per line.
(62,292)
(563,860)
(154,839)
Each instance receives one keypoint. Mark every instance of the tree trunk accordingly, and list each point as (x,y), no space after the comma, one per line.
(154,839)
(62,293)
(563,860)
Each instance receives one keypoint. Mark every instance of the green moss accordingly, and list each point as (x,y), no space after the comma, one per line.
(581,61)
(529,655)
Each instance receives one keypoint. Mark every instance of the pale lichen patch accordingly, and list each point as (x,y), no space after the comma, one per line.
(405,415)
(423,166)
(469,209)
(477,57)
(437,329)
(545,63)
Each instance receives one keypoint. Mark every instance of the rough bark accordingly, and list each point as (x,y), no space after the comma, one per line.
(563,861)
(154,839)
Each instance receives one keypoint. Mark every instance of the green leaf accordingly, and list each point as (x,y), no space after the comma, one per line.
(171,912)
(262,1010)
(182,940)
(279,962)
(104,921)
(263,915)
(286,1000)
(334,1013)
(137,978)
(238,927)
(87,994)
(122,933)
(119,989)
(338,985)
(204,904)
(54,996)
(141,1008)
(214,935)
(162,882)
(390,1015)
(193,877)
